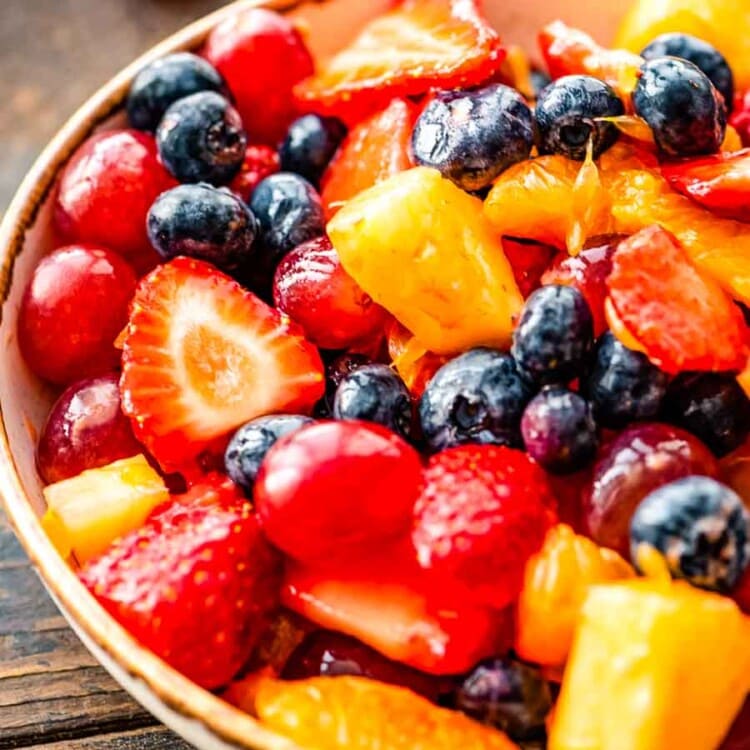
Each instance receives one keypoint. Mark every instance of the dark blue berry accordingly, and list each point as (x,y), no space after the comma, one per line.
(508,695)
(623,385)
(289,212)
(681,106)
(559,431)
(702,54)
(567,113)
(539,79)
(336,370)
(201,139)
(472,136)
(478,397)
(249,445)
(700,526)
(164,81)
(309,145)
(711,405)
(375,393)
(554,336)
(204,222)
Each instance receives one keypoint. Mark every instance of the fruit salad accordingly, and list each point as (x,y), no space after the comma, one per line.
(404,395)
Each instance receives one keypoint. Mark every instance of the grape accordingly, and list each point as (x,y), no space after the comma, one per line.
(642,458)
(85,429)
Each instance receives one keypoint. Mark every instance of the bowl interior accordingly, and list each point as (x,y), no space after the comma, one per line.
(27,234)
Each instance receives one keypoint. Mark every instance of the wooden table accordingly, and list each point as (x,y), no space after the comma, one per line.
(54,54)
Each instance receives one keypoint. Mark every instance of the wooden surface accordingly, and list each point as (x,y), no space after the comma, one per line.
(53,55)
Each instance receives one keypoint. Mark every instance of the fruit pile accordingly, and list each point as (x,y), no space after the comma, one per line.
(404,400)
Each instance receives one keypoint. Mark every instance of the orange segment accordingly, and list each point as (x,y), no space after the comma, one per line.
(344,713)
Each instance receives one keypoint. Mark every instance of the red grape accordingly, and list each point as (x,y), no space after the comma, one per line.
(642,458)
(313,289)
(73,309)
(85,429)
(260,162)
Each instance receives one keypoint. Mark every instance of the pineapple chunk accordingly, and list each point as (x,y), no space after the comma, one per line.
(654,665)
(86,513)
(422,248)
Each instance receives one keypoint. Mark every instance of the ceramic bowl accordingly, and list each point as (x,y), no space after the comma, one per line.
(26,235)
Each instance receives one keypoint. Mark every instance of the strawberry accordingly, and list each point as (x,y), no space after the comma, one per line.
(387,603)
(740,117)
(336,489)
(415,46)
(195,584)
(719,183)
(260,162)
(201,356)
(682,320)
(483,511)
(529,260)
(374,150)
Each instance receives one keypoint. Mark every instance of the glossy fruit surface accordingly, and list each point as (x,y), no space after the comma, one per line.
(87,512)
(336,370)
(388,226)
(341,713)
(375,149)
(195,584)
(261,56)
(85,429)
(333,488)
(260,162)
(72,310)
(556,582)
(470,137)
(106,190)
(202,356)
(201,139)
(657,630)
(483,511)
(310,143)
(700,526)
(529,260)
(312,287)
(640,459)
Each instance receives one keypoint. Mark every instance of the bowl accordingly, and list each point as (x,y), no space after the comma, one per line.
(26,235)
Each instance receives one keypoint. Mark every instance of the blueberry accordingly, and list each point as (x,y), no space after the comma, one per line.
(567,112)
(539,79)
(701,54)
(164,81)
(205,222)
(309,145)
(681,106)
(559,431)
(249,445)
(700,526)
(478,397)
(336,370)
(472,136)
(289,212)
(623,385)
(375,393)
(508,695)
(201,139)
(711,405)
(554,336)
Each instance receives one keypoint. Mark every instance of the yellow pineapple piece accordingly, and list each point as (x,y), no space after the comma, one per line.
(655,664)
(422,248)
(86,513)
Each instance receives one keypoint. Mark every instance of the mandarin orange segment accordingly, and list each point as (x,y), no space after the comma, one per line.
(654,665)
(344,713)
(412,361)
(556,582)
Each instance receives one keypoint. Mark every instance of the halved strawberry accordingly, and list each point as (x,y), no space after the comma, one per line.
(201,356)
(374,150)
(681,319)
(415,46)
(719,183)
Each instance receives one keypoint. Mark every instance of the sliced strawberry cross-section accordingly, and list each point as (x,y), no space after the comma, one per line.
(201,356)
(415,46)
(680,319)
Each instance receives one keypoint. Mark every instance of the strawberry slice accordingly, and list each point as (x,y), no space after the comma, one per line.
(719,183)
(415,46)
(201,356)
(374,150)
(682,320)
